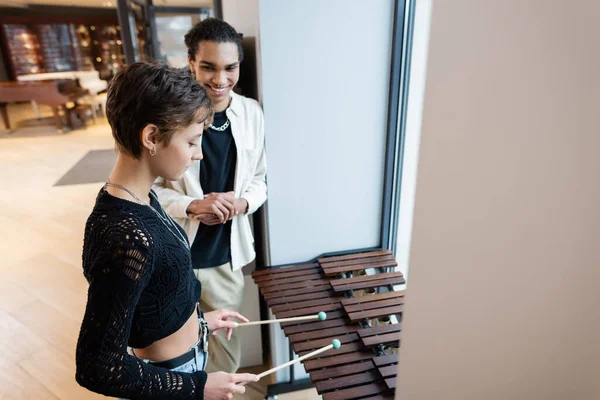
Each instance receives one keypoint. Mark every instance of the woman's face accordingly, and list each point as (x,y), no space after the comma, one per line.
(173,159)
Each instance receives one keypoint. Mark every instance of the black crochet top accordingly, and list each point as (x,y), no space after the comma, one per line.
(141,289)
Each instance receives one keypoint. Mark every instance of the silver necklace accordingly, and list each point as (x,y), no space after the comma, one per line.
(165,218)
(220,128)
(225,125)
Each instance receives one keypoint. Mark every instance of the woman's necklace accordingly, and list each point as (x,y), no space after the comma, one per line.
(164,218)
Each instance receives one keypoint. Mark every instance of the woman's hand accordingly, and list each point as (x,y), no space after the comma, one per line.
(219,319)
(222,386)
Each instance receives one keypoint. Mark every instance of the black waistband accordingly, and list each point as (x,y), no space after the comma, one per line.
(182,359)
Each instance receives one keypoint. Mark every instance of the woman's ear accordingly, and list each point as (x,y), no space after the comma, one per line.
(149,137)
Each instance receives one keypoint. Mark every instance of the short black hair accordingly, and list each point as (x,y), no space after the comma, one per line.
(212,30)
(153,93)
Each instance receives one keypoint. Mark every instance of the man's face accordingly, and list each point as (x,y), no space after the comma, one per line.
(217,69)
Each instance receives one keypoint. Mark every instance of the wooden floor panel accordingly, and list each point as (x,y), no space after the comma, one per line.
(42,289)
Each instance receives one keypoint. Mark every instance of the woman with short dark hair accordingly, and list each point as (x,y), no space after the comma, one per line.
(143,292)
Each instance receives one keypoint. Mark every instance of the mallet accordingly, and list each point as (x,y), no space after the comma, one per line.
(335,344)
(320,316)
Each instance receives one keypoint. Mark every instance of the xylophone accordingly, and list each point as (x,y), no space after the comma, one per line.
(363,312)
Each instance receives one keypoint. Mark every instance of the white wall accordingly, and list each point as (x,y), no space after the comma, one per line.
(243,16)
(503,295)
(325,87)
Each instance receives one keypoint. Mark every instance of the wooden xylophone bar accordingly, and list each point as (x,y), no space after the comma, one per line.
(361,368)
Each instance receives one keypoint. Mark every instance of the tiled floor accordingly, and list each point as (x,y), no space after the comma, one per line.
(42,289)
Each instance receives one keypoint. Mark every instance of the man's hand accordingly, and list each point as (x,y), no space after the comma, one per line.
(219,204)
(219,200)
(206,219)
(241,206)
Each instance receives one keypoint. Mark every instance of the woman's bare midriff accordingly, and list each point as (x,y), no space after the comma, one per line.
(174,345)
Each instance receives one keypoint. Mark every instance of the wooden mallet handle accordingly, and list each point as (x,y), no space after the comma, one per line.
(335,344)
(320,316)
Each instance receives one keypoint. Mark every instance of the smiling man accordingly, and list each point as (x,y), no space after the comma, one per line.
(216,195)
